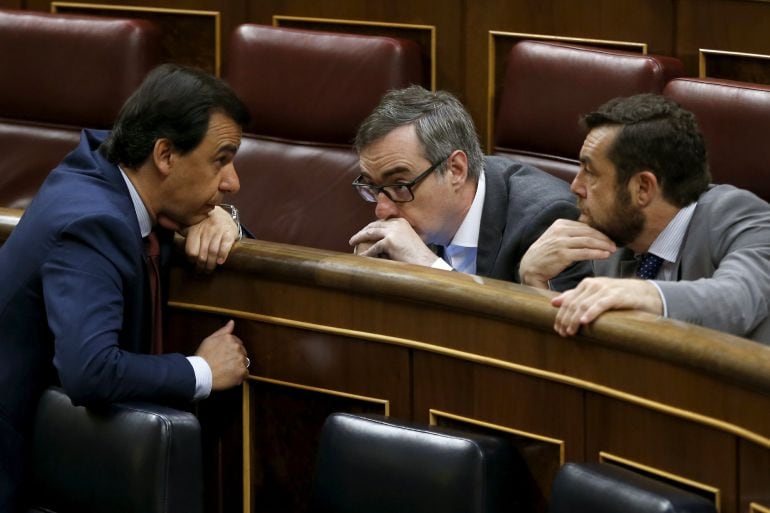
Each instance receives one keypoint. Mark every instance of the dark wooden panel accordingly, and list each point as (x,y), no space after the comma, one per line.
(735,66)
(754,475)
(487,395)
(189,37)
(286,424)
(664,445)
(737,26)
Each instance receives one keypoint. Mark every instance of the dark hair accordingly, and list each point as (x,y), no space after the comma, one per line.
(659,135)
(173,102)
(441,122)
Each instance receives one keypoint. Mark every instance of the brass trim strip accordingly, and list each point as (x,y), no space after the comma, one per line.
(485,360)
(384,402)
(277,18)
(703,52)
(491,74)
(757,508)
(566,39)
(246,412)
(162,10)
(432,414)
(606,456)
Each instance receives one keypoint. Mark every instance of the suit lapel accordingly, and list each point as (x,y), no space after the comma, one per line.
(492,220)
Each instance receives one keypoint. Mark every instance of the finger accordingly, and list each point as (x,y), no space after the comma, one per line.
(224,250)
(192,247)
(374,250)
(227,329)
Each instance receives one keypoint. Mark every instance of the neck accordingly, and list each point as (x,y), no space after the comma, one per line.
(141,179)
(657,216)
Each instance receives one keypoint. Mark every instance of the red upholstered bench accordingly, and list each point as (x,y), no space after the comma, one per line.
(549,86)
(307,92)
(58,74)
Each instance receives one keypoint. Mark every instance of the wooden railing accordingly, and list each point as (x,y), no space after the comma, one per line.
(329,332)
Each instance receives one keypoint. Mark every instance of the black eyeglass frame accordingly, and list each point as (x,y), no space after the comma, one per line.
(367,188)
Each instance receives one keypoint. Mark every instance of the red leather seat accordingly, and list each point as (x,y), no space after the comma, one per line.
(735,120)
(549,86)
(307,92)
(61,73)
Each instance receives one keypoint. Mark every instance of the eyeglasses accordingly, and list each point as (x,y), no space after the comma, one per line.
(397,192)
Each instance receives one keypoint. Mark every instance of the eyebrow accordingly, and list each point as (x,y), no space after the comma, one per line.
(387,174)
(228,148)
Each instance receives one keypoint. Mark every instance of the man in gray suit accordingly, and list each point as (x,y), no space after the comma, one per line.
(422,164)
(647,210)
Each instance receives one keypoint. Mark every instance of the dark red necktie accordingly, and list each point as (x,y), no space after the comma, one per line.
(152,249)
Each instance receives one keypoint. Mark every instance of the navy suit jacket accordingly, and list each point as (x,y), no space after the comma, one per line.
(74,302)
(520,203)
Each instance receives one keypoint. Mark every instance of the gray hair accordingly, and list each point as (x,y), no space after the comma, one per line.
(441,122)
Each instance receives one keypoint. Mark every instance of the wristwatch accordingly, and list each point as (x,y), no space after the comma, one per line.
(230,209)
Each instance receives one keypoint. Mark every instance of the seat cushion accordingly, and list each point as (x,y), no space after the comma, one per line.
(121,458)
(300,194)
(377,464)
(316,86)
(549,86)
(75,70)
(603,488)
(735,120)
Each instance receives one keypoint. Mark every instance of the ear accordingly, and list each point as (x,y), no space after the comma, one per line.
(457,167)
(644,188)
(163,156)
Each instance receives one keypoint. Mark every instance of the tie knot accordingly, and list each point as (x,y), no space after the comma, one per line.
(649,265)
(151,245)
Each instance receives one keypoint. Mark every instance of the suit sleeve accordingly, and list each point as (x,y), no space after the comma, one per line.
(572,275)
(84,280)
(735,298)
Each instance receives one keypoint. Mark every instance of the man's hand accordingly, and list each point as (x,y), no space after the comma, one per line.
(209,242)
(226,356)
(394,239)
(594,296)
(563,243)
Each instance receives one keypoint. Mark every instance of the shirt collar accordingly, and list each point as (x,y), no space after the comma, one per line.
(467,235)
(142,215)
(669,242)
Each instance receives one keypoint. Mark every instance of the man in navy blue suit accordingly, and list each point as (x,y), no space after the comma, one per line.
(74,300)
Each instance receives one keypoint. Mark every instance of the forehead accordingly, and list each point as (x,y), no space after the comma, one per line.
(598,142)
(222,131)
(399,150)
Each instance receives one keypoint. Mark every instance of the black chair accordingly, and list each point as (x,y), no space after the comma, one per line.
(603,488)
(377,464)
(128,457)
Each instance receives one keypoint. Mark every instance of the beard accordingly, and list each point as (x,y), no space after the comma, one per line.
(625,221)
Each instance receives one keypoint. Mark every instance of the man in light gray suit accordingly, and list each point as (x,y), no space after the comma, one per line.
(648,211)
(422,164)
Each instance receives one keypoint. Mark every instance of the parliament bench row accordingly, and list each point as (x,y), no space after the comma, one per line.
(308,91)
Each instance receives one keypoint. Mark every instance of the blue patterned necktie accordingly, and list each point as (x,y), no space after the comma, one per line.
(648,266)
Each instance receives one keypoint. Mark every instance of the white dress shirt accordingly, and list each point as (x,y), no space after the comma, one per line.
(460,254)
(667,246)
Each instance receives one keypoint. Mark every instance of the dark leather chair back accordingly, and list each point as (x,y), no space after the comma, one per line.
(735,120)
(61,73)
(123,458)
(378,465)
(307,92)
(603,488)
(549,86)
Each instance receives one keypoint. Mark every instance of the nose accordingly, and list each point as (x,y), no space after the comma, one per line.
(386,208)
(230,183)
(577,186)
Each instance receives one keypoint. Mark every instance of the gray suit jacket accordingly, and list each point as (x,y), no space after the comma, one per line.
(520,203)
(723,267)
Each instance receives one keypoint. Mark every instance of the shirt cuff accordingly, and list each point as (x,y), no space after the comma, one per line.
(440,263)
(203,377)
(662,298)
